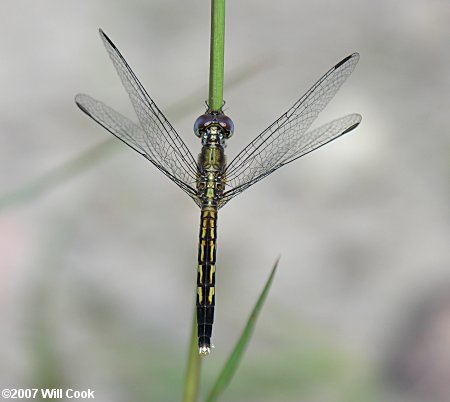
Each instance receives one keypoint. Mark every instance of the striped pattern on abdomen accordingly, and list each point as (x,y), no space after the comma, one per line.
(206,277)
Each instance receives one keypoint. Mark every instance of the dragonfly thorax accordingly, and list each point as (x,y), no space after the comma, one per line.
(211,164)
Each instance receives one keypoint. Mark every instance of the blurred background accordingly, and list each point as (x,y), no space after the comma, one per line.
(98,249)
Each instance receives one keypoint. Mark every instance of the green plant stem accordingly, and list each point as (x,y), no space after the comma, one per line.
(215,101)
(192,378)
(216,66)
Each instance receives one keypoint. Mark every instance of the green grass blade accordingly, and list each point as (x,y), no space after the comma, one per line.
(233,361)
(216,62)
(192,379)
(58,175)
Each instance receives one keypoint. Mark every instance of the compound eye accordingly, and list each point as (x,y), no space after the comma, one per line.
(227,124)
(208,119)
(201,123)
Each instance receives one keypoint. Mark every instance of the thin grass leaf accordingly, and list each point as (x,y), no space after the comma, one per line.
(192,379)
(58,175)
(233,361)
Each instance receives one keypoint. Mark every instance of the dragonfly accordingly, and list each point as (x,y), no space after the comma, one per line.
(210,180)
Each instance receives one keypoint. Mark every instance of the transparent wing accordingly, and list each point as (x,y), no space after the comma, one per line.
(285,139)
(310,141)
(154,137)
(130,133)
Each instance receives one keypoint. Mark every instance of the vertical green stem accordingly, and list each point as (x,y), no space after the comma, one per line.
(215,101)
(216,61)
(192,379)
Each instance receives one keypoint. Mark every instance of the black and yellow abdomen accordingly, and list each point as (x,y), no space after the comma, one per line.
(210,187)
(206,277)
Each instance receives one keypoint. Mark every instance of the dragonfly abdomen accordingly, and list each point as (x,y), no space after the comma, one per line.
(206,277)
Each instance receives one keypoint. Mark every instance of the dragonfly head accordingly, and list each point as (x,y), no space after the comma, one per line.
(213,127)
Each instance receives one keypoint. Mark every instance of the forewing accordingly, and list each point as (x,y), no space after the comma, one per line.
(283,139)
(155,138)
(134,136)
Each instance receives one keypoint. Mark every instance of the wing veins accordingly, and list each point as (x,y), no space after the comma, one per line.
(147,111)
(288,138)
(120,126)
